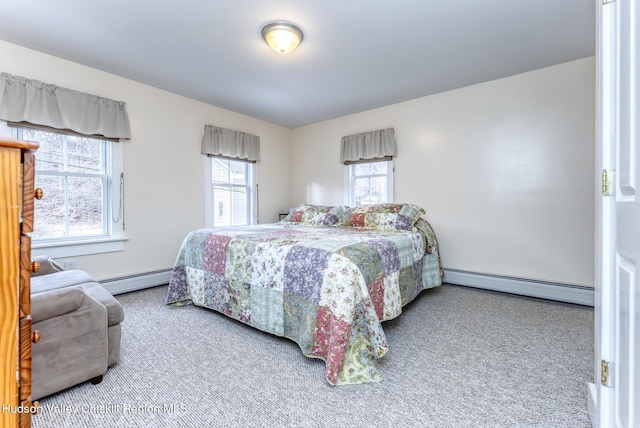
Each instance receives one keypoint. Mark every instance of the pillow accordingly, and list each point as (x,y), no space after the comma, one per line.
(314,215)
(385,216)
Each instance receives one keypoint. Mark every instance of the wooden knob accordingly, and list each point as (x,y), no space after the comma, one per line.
(35,336)
(35,266)
(37,193)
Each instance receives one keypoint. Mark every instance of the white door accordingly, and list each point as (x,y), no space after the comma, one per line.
(618,288)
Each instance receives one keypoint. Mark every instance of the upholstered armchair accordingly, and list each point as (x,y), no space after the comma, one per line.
(79,325)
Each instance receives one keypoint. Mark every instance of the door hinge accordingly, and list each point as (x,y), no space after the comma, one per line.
(607,179)
(604,373)
(607,1)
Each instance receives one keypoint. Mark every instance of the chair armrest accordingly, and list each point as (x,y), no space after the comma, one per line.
(115,311)
(51,304)
(47,266)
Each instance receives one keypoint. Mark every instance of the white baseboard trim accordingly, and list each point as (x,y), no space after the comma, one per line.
(129,283)
(569,293)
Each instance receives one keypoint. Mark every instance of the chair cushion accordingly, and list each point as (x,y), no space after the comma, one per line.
(53,281)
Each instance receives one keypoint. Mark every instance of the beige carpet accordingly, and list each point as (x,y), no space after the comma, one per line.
(459,357)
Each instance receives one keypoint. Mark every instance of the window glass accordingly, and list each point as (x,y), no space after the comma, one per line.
(233,192)
(370,183)
(379,167)
(72,171)
(362,169)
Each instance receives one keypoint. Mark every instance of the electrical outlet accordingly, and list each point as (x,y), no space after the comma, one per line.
(70,264)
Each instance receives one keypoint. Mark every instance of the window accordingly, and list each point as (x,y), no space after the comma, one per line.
(231,189)
(75,173)
(369,182)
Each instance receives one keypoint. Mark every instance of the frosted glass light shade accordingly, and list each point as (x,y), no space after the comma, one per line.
(281,36)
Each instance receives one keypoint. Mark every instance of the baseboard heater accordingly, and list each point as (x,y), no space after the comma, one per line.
(579,294)
(125,284)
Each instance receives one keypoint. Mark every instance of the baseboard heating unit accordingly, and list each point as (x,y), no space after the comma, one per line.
(125,284)
(570,293)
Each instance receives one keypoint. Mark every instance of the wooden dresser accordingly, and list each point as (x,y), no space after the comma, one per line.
(17,166)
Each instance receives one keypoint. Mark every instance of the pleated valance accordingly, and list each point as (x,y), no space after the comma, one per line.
(368,146)
(230,144)
(38,103)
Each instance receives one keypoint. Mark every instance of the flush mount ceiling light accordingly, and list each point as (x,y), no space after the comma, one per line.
(282,36)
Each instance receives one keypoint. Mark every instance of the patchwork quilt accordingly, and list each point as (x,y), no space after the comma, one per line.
(327,288)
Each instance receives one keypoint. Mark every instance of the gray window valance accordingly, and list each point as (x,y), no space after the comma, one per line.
(368,146)
(230,144)
(32,101)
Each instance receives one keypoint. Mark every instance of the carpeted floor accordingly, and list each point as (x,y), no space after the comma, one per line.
(458,357)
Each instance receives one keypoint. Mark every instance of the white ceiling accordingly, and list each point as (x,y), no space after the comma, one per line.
(356,54)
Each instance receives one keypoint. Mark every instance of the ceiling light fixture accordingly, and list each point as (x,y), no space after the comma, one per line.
(282,36)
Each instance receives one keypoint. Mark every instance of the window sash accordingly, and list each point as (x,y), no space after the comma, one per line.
(68,234)
(230,191)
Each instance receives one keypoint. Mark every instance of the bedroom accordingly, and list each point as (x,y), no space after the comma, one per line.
(504,169)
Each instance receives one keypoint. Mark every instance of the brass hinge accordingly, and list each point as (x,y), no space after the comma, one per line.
(607,178)
(604,373)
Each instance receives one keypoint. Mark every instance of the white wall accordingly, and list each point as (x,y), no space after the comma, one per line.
(505,170)
(163,167)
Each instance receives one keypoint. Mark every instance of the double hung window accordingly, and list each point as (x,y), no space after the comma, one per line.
(369,182)
(231,188)
(81,178)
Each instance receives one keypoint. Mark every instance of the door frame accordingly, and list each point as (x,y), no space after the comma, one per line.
(601,402)
(603,398)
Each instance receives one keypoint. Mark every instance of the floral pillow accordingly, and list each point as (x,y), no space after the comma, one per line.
(385,216)
(314,215)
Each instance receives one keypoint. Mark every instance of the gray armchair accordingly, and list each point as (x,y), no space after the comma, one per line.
(79,325)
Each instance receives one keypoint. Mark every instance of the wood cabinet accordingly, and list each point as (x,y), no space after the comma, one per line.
(17,166)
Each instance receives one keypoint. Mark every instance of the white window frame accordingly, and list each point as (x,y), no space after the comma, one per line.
(114,240)
(210,207)
(349,181)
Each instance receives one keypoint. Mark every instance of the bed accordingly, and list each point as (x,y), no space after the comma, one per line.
(325,277)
